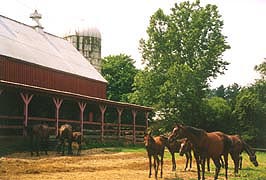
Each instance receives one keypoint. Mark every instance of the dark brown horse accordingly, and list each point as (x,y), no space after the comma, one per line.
(239,145)
(39,136)
(65,134)
(205,145)
(174,147)
(77,137)
(155,147)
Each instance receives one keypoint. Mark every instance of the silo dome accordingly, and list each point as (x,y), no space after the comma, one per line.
(81,31)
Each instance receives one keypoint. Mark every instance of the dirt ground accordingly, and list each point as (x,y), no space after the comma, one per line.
(93,164)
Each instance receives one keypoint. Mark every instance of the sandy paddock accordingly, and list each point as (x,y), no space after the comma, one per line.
(92,164)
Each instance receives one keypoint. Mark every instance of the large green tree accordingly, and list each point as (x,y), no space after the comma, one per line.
(119,71)
(182,53)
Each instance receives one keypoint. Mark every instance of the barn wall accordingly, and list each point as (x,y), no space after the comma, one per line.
(20,72)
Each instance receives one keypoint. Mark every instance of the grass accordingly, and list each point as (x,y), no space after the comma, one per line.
(248,172)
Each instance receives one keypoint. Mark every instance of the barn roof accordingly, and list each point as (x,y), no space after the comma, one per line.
(24,42)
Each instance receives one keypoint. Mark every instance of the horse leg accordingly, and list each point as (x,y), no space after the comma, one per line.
(196,155)
(155,165)
(208,164)
(190,160)
(222,162)
(173,161)
(150,164)
(240,161)
(187,158)
(202,161)
(162,163)
(225,164)
(217,167)
(37,146)
(70,147)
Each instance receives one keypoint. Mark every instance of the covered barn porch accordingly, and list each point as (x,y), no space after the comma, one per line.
(99,119)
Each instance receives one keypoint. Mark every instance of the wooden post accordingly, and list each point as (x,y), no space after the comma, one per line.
(57,103)
(82,106)
(146,116)
(119,111)
(26,99)
(1,90)
(134,113)
(102,108)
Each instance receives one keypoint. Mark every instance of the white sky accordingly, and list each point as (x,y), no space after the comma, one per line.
(123,23)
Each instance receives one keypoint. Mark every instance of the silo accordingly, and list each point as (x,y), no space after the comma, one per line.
(88,42)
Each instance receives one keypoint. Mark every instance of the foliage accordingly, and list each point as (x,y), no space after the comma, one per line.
(182,54)
(218,115)
(119,71)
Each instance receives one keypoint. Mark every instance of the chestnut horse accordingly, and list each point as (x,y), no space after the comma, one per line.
(39,136)
(205,145)
(155,147)
(77,137)
(65,133)
(175,146)
(239,145)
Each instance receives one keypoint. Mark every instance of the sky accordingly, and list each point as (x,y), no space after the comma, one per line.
(123,23)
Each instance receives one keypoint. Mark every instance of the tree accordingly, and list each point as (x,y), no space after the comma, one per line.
(182,54)
(119,71)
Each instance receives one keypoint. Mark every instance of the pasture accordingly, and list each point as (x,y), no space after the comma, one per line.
(112,163)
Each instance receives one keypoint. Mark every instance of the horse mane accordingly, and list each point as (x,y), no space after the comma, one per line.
(196,131)
(247,148)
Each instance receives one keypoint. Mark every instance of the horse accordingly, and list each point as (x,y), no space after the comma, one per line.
(77,137)
(155,147)
(239,145)
(65,133)
(39,136)
(174,147)
(205,145)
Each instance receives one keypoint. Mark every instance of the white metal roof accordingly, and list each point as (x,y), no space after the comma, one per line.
(23,42)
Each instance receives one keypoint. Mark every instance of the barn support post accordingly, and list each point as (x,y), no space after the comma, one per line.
(57,103)
(119,111)
(146,117)
(134,113)
(103,109)
(26,99)
(82,106)
(1,90)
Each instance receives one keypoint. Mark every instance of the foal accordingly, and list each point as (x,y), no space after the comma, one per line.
(77,137)
(65,133)
(155,147)
(175,147)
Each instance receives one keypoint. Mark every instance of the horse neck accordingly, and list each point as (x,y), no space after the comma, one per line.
(248,149)
(194,136)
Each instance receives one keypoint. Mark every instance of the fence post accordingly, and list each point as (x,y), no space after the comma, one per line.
(82,107)
(57,103)
(26,99)
(119,111)
(102,108)
(134,113)
(146,117)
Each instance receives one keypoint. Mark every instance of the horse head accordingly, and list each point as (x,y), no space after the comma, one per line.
(177,131)
(184,146)
(253,159)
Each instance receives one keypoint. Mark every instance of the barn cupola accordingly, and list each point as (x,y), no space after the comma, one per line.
(35,16)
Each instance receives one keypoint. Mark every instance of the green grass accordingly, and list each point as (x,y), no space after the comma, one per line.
(248,172)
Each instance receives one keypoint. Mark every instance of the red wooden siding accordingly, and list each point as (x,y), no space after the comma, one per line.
(30,74)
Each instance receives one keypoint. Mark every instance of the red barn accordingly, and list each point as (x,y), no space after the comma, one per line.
(44,78)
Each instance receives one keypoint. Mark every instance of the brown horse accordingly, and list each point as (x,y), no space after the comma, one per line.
(175,146)
(239,145)
(65,133)
(77,137)
(39,136)
(155,147)
(205,145)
